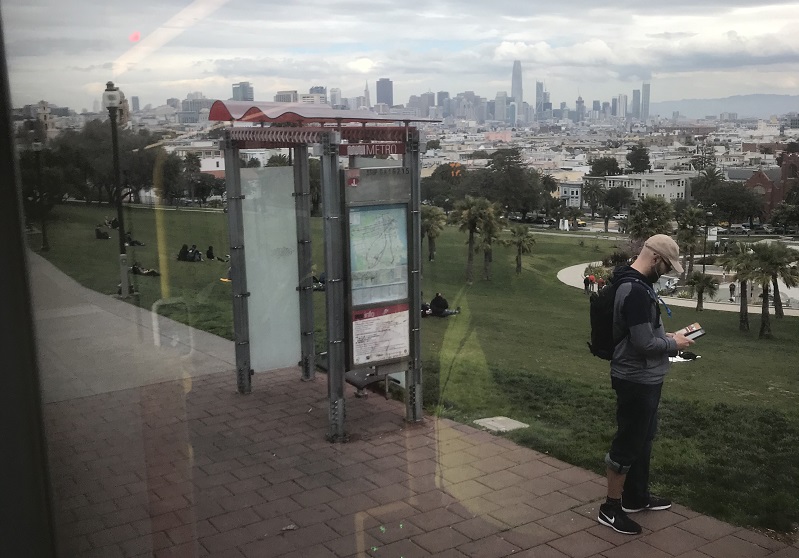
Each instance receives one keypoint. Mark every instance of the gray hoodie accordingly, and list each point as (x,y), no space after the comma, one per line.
(642,356)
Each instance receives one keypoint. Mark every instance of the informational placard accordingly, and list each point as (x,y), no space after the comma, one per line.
(380,334)
(378,253)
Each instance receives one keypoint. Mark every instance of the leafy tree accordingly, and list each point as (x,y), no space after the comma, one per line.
(618,197)
(191,173)
(434,144)
(278,160)
(638,158)
(522,241)
(792,147)
(605,166)
(700,284)
(785,215)
(469,214)
(206,185)
(479,154)
(43,176)
(433,222)
(451,173)
(704,158)
(167,177)
(651,216)
(734,202)
(593,193)
(739,259)
(512,185)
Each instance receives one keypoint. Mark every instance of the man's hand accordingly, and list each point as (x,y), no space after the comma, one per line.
(682,341)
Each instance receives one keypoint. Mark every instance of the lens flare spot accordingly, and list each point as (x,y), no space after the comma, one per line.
(135,37)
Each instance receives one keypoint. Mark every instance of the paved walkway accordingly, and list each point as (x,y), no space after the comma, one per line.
(153,453)
(573,276)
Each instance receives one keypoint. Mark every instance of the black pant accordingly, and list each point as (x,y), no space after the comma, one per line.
(636,419)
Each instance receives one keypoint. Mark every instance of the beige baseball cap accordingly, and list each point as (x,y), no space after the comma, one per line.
(665,247)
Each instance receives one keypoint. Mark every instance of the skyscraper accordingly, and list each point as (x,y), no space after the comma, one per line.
(645,102)
(441,98)
(367,100)
(335,97)
(501,106)
(539,98)
(636,108)
(516,85)
(243,91)
(621,110)
(134,103)
(385,91)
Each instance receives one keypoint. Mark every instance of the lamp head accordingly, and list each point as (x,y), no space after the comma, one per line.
(112,98)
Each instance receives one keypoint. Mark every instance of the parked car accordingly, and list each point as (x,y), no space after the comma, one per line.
(738,229)
(619,216)
(581,223)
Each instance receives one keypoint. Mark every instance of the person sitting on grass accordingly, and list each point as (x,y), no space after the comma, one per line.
(440,307)
(101,235)
(183,255)
(209,254)
(194,254)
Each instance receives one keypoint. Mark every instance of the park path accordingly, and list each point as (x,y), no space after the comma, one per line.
(153,453)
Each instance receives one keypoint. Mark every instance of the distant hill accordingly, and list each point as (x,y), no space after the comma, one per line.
(747,106)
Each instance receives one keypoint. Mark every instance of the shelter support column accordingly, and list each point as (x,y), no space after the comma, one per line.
(302,203)
(238,270)
(413,376)
(334,286)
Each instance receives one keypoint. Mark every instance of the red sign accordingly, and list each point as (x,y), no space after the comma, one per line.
(352,177)
(351,149)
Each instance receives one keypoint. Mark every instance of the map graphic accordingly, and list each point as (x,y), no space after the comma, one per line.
(378,254)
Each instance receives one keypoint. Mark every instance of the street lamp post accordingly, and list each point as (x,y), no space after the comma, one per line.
(112,100)
(43,198)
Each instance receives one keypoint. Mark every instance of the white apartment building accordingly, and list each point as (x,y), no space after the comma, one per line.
(667,185)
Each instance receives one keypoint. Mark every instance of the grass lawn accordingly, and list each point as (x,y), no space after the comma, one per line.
(729,433)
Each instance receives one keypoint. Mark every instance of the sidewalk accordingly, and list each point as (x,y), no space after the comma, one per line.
(153,453)
(573,276)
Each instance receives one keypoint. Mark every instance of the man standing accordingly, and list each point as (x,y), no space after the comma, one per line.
(640,362)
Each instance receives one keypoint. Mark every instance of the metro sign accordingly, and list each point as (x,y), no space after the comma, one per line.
(353,149)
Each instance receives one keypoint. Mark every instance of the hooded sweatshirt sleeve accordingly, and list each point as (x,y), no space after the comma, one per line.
(639,313)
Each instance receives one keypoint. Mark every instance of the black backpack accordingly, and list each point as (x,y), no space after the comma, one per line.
(602,342)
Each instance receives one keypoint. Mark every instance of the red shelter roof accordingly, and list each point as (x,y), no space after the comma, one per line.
(300,113)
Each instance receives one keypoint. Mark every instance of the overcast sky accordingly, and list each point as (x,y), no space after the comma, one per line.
(65,50)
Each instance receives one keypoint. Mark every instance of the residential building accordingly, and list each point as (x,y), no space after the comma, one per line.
(659,184)
(286,97)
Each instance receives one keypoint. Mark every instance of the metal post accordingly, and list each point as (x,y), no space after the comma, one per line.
(238,267)
(302,203)
(413,376)
(123,258)
(704,248)
(334,286)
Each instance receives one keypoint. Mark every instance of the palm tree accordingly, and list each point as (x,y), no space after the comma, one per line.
(433,221)
(606,213)
(651,216)
(739,260)
(700,284)
(522,240)
(690,225)
(469,213)
(593,193)
(489,232)
(776,259)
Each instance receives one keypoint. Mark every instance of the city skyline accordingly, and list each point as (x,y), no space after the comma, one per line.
(65,51)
